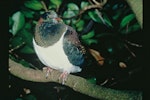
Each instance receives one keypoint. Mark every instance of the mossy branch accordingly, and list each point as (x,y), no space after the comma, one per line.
(77,83)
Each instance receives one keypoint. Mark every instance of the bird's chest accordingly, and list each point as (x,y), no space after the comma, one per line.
(53,56)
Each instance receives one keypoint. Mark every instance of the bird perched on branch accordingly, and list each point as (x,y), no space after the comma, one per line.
(57,45)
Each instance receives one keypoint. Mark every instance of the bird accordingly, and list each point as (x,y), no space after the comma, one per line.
(57,45)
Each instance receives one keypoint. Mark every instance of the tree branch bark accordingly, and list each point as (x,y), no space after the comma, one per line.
(78,84)
(137,7)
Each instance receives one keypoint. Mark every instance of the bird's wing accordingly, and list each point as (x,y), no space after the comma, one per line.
(72,47)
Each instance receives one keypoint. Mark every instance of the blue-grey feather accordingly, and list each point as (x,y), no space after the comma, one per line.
(74,55)
(49,33)
(48,29)
(72,49)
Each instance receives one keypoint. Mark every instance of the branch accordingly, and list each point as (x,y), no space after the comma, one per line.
(92,6)
(76,83)
(137,7)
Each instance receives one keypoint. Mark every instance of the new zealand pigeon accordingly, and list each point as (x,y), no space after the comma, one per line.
(57,45)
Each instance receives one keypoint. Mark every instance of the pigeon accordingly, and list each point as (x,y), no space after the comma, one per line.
(57,45)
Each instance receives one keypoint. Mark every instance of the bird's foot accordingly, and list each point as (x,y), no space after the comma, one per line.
(63,77)
(48,70)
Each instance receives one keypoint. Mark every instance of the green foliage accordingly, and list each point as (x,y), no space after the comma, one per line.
(113,20)
(101,18)
(90,41)
(33,4)
(79,25)
(56,2)
(72,10)
(73,7)
(126,20)
(132,28)
(84,4)
(93,15)
(22,22)
(28,13)
(107,20)
(18,22)
(88,38)
(88,35)
(69,14)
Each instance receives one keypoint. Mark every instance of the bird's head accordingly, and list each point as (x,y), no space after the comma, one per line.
(50,16)
(49,29)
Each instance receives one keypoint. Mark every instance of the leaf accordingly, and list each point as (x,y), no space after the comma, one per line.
(23,36)
(33,4)
(26,36)
(84,4)
(97,56)
(28,26)
(126,20)
(19,20)
(68,14)
(16,41)
(73,7)
(107,20)
(52,6)
(56,2)
(131,29)
(80,25)
(117,14)
(28,13)
(103,35)
(90,41)
(88,35)
(93,15)
(27,49)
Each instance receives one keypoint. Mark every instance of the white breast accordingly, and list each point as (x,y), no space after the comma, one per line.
(54,57)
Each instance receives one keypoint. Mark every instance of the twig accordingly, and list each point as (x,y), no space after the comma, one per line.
(83,10)
(133,44)
(17,47)
(93,6)
(44,6)
(100,16)
(97,11)
(132,53)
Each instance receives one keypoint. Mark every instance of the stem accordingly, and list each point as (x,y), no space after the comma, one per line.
(93,6)
(44,6)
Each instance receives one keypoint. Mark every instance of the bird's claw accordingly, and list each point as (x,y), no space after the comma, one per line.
(48,70)
(63,76)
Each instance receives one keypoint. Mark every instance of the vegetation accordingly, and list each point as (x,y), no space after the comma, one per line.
(110,30)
